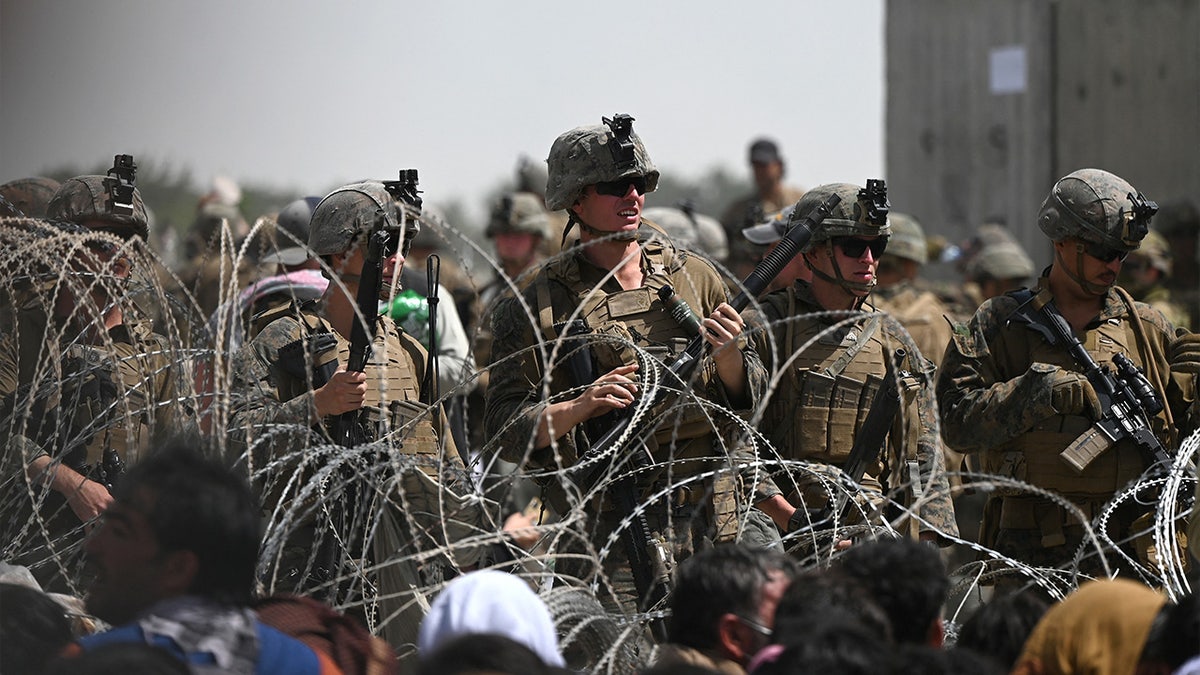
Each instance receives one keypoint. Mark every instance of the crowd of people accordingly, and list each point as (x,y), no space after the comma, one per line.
(650,441)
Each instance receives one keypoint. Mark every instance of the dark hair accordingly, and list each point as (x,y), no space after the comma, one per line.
(679,668)
(120,658)
(33,629)
(816,594)
(906,578)
(1174,635)
(725,579)
(839,644)
(1000,628)
(914,658)
(476,652)
(200,505)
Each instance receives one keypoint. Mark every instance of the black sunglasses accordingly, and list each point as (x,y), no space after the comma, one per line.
(1103,253)
(619,188)
(854,247)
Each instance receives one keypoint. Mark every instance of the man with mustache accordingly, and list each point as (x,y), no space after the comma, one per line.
(1019,398)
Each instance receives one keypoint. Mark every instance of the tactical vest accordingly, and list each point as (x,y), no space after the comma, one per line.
(828,388)
(1033,457)
(394,370)
(922,315)
(624,322)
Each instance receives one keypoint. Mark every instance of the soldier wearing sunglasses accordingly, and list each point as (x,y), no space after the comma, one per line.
(1010,394)
(543,411)
(835,349)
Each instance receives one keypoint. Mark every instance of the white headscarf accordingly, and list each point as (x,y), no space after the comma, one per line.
(491,602)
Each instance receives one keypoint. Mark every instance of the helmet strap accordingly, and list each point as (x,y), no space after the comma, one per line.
(851,287)
(1076,275)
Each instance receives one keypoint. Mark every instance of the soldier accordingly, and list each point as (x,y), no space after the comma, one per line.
(770,196)
(1006,392)
(836,351)
(29,196)
(543,414)
(997,268)
(1144,275)
(920,311)
(402,465)
(84,379)
(692,231)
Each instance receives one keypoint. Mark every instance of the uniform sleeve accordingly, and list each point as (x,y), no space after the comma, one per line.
(980,407)
(514,397)
(254,391)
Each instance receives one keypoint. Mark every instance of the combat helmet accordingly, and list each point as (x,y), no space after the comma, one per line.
(1000,260)
(518,212)
(690,230)
(863,212)
(907,239)
(109,203)
(348,213)
(1096,206)
(1156,251)
(30,196)
(594,154)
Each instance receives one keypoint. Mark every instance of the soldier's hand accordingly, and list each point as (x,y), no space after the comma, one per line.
(88,500)
(721,328)
(612,390)
(343,393)
(1183,353)
(1072,394)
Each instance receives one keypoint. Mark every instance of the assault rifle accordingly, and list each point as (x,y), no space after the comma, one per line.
(348,429)
(868,443)
(1127,401)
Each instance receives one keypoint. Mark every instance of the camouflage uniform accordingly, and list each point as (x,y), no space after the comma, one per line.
(407,464)
(1001,389)
(803,424)
(920,311)
(834,366)
(683,507)
(91,401)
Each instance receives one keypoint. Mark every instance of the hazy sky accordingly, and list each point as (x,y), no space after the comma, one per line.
(306,94)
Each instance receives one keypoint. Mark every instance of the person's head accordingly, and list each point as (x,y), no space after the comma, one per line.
(836,644)
(724,600)
(33,629)
(927,660)
(999,628)
(907,250)
(769,233)
(601,173)
(908,580)
(179,524)
(1149,265)
(291,235)
(344,221)
(844,251)
(517,226)
(30,195)
(999,268)
(817,594)
(1095,219)
(493,602)
(1100,628)
(767,165)
(1174,637)
(110,203)
(482,654)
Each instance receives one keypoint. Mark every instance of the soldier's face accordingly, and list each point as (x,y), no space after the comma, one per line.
(610,212)
(860,268)
(1094,270)
(516,247)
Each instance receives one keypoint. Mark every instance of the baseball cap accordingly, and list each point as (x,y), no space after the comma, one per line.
(764,151)
(770,230)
